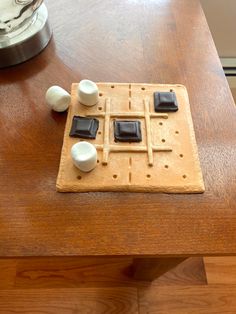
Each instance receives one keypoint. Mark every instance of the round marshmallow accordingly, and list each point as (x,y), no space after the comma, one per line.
(57,98)
(88,93)
(84,156)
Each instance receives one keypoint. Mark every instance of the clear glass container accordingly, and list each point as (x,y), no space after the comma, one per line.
(24,30)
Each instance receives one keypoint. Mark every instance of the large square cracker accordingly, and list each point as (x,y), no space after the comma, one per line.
(165,161)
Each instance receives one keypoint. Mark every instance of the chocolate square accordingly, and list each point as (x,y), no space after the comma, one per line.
(84,127)
(127,131)
(127,128)
(165,102)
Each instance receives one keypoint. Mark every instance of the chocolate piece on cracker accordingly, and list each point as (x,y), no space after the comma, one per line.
(127,131)
(84,127)
(165,102)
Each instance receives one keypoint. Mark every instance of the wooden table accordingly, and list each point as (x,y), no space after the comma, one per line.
(120,41)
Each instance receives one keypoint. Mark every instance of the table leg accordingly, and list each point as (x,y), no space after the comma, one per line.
(151,268)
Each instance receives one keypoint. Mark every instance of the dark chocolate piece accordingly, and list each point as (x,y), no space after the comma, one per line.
(165,101)
(127,131)
(84,127)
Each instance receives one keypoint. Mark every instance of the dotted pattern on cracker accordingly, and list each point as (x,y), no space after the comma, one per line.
(166,160)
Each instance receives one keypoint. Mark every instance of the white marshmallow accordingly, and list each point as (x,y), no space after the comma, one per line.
(88,93)
(84,156)
(57,98)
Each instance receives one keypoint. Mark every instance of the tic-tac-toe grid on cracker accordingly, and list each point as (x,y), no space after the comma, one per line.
(166,160)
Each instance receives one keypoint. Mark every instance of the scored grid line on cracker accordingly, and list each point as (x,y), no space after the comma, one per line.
(150,148)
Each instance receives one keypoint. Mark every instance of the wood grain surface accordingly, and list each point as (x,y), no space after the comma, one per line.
(211,299)
(90,272)
(221,270)
(151,268)
(117,41)
(83,284)
(70,301)
(96,285)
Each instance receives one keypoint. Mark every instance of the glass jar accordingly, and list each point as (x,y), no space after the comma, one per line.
(24,30)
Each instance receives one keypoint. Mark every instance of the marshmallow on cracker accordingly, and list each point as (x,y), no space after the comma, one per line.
(88,93)
(84,156)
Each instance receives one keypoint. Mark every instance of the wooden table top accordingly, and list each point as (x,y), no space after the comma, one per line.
(119,41)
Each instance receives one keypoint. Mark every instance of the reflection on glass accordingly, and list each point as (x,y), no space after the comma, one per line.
(16,13)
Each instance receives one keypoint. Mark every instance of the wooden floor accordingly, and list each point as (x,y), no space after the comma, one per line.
(72,285)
